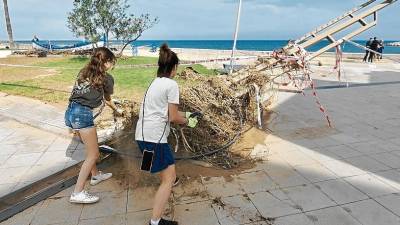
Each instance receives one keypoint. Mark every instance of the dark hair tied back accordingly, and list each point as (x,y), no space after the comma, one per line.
(167,61)
(95,71)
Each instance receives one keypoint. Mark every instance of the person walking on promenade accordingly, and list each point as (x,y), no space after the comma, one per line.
(380,49)
(93,88)
(374,47)
(368,45)
(159,108)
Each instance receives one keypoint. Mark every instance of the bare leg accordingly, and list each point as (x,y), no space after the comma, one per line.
(164,191)
(89,138)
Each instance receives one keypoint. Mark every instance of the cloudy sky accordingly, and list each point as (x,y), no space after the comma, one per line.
(202,19)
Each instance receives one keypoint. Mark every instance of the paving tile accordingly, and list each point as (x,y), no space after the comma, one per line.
(340,191)
(397,153)
(196,214)
(391,202)
(190,192)
(391,177)
(3,159)
(343,151)
(235,210)
(308,197)
(140,199)
(140,217)
(326,142)
(256,182)
(117,200)
(332,215)
(286,177)
(389,146)
(8,149)
(12,175)
(22,160)
(321,155)
(25,217)
(54,157)
(108,220)
(112,184)
(367,147)
(39,172)
(343,169)
(389,159)
(55,211)
(315,172)
(370,185)
(6,189)
(366,163)
(222,187)
(270,207)
(298,219)
(368,212)
(344,138)
(297,158)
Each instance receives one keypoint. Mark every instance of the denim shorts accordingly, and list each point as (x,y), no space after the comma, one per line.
(78,116)
(163,156)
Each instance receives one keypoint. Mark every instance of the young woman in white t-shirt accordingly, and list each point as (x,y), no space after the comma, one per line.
(159,108)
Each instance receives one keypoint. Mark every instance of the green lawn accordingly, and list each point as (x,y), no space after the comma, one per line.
(130,83)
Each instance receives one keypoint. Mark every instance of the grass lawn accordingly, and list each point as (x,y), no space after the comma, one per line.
(53,79)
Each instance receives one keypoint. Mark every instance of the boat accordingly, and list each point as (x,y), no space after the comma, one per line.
(80,46)
(396,44)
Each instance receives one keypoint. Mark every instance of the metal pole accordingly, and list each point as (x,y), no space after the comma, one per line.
(236,34)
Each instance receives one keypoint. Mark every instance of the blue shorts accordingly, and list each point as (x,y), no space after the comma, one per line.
(78,116)
(163,156)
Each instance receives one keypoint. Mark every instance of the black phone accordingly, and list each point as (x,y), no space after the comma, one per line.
(147,160)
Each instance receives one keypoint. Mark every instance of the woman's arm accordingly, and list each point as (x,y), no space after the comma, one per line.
(112,105)
(175,116)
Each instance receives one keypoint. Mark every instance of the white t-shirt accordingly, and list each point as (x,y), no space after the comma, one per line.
(161,92)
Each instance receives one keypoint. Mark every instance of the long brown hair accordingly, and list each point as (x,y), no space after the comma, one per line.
(166,61)
(95,70)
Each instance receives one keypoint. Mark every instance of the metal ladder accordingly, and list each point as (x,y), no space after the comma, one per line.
(357,15)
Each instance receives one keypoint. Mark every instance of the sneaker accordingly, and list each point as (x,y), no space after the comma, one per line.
(83,197)
(166,222)
(100,177)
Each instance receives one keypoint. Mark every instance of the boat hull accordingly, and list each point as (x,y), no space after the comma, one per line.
(82,47)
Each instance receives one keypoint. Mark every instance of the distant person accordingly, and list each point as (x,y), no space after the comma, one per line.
(93,88)
(35,38)
(374,47)
(368,45)
(380,49)
(158,109)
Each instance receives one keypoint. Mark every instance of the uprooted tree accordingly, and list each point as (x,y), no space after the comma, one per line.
(93,19)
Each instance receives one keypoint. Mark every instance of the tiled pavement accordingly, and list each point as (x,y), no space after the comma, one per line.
(34,142)
(346,175)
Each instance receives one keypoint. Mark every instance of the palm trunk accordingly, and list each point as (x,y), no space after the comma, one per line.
(8,24)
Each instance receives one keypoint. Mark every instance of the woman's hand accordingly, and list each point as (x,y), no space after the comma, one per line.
(119,111)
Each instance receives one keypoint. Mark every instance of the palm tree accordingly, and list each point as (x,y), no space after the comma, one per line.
(8,24)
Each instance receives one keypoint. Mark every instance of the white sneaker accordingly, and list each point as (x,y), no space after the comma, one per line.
(100,177)
(83,197)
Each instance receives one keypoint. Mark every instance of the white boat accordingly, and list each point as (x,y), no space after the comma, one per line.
(397,44)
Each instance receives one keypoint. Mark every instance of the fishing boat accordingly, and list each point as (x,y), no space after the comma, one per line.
(80,46)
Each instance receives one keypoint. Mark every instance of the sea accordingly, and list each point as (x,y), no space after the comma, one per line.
(251,45)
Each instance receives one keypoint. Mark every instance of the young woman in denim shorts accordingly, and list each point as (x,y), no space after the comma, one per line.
(159,108)
(93,87)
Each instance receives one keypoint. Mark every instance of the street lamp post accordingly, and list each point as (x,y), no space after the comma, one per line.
(235,37)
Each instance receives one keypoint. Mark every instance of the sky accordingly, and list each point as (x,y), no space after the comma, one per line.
(202,19)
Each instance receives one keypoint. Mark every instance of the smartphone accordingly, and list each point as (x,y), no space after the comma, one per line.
(147,160)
